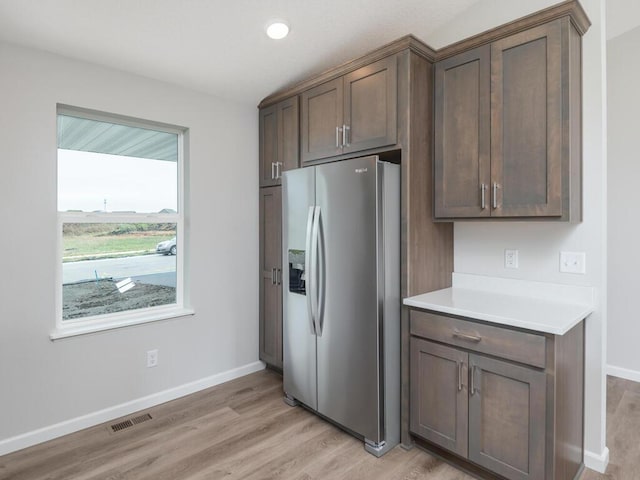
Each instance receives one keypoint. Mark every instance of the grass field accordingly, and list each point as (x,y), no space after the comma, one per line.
(82,245)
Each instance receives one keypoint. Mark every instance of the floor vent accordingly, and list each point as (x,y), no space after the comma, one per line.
(141,418)
(116,427)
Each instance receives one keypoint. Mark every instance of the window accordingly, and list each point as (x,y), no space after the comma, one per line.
(120,221)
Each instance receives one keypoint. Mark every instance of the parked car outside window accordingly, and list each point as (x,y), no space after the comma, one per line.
(167,247)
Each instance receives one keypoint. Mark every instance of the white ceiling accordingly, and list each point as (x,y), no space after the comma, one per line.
(215,46)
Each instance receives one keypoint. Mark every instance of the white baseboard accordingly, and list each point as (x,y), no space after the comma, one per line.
(614,371)
(79,423)
(595,461)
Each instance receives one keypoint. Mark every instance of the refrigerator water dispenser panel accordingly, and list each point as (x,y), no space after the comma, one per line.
(297,279)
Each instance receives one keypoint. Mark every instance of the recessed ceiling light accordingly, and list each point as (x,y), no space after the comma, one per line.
(277,29)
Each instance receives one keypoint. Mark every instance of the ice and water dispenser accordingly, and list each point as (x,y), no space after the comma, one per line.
(296,272)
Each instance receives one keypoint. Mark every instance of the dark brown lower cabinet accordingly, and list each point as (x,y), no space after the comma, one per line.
(519,421)
(480,408)
(439,397)
(506,418)
(271,276)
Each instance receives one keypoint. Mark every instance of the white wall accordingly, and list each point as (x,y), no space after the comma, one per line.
(479,247)
(44,382)
(623,196)
(622,16)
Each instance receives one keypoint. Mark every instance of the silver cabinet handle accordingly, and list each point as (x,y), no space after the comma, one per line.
(495,194)
(345,140)
(278,171)
(338,130)
(483,189)
(273,276)
(472,390)
(466,336)
(278,276)
(460,365)
(273,175)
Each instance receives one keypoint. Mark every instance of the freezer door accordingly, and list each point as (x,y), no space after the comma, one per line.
(299,340)
(348,341)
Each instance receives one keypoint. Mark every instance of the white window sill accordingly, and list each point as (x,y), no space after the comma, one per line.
(111,322)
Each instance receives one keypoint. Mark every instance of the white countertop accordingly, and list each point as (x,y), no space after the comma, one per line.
(542,307)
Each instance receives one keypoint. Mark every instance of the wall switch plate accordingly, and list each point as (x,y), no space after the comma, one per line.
(511,259)
(573,262)
(152,358)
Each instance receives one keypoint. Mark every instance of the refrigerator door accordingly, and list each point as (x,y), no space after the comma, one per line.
(348,353)
(299,340)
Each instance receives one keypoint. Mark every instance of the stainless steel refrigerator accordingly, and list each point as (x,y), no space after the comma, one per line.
(341,305)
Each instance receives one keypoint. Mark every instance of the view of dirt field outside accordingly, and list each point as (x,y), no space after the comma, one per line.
(97,256)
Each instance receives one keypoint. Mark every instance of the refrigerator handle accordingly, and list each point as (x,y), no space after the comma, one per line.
(320,273)
(308,267)
(312,282)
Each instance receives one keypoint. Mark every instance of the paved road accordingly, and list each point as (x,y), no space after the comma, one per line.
(154,269)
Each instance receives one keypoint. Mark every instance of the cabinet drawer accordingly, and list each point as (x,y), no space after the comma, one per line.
(523,347)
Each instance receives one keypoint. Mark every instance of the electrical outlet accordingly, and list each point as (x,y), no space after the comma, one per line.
(152,358)
(511,259)
(573,262)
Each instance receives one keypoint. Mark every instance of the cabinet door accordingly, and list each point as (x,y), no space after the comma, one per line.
(268,145)
(527,127)
(507,418)
(271,276)
(438,394)
(288,134)
(462,135)
(278,141)
(321,134)
(370,106)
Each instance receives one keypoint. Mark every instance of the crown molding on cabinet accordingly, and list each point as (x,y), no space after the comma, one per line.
(571,8)
(407,42)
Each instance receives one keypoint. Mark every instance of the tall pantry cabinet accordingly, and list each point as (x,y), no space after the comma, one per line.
(279,152)
(271,276)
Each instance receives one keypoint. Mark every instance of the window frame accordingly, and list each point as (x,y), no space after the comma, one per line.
(108,321)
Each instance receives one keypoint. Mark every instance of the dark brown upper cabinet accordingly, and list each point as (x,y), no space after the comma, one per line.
(508,128)
(462,134)
(351,113)
(279,135)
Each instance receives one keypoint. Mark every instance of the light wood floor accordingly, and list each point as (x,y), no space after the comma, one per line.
(623,431)
(243,430)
